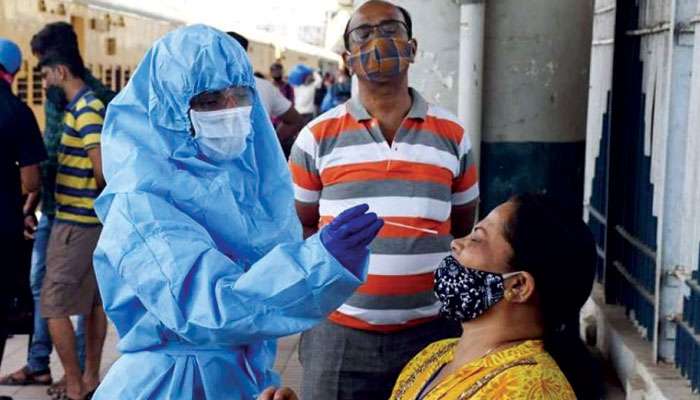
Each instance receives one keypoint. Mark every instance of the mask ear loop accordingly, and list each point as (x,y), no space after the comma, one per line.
(511,274)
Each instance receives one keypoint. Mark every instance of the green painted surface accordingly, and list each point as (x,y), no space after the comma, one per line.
(509,168)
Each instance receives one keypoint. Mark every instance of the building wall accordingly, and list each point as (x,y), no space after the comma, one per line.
(291,57)
(112,43)
(649,77)
(690,220)
(600,85)
(678,249)
(261,55)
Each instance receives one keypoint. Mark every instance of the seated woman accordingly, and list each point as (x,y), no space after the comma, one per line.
(517,284)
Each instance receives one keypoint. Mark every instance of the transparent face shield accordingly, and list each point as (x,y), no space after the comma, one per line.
(215,100)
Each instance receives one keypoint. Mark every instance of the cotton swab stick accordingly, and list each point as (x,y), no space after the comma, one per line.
(411,227)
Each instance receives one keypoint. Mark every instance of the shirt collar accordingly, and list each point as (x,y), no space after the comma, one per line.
(418,110)
(77,97)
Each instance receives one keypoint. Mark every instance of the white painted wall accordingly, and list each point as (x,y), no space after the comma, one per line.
(600,84)
(691,189)
(672,238)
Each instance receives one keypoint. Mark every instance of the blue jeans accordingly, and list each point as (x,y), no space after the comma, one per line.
(40,349)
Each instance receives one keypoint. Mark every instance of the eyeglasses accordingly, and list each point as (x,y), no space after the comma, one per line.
(236,96)
(363,33)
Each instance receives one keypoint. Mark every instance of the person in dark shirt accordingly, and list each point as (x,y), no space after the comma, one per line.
(20,154)
(277,74)
(54,37)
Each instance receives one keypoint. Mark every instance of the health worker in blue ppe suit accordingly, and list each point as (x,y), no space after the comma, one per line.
(201,263)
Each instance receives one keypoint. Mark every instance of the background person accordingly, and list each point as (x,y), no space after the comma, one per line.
(57,37)
(20,155)
(339,92)
(305,82)
(281,110)
(69,287)
(320,93)
(277,75)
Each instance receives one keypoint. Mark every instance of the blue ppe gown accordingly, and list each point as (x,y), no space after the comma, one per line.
(201,265)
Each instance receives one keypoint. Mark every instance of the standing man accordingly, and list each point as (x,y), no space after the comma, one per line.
(20,155)
(70,287)
(305,82)
(278,107)
(411,161)
(277,74)
(58,37)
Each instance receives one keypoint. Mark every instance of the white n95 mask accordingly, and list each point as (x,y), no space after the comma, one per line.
(222,134)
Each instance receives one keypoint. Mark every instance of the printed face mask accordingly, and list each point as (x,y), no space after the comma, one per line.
(381,59)
(466,293)
(222,134)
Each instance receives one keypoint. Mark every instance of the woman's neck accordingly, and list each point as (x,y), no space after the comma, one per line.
(481,337)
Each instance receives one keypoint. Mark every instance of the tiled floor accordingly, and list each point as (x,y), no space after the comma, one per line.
(16,353)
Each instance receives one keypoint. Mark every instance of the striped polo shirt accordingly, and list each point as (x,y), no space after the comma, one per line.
(76,187)
(342,159)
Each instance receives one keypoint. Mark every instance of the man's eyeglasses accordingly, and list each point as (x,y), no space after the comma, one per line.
(363,33)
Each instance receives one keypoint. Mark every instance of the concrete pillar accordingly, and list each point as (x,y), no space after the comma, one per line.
(536,65)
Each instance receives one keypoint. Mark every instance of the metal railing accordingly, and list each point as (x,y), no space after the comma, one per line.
(627,248)
(688,334)
(633,280)
(631,241)
(597,221)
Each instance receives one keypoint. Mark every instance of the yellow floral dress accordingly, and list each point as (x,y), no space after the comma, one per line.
(525,371)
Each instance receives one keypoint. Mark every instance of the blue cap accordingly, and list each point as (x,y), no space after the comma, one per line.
(298,74)
(10,55)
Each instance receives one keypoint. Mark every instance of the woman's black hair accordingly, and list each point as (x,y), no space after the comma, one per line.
(558,249)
